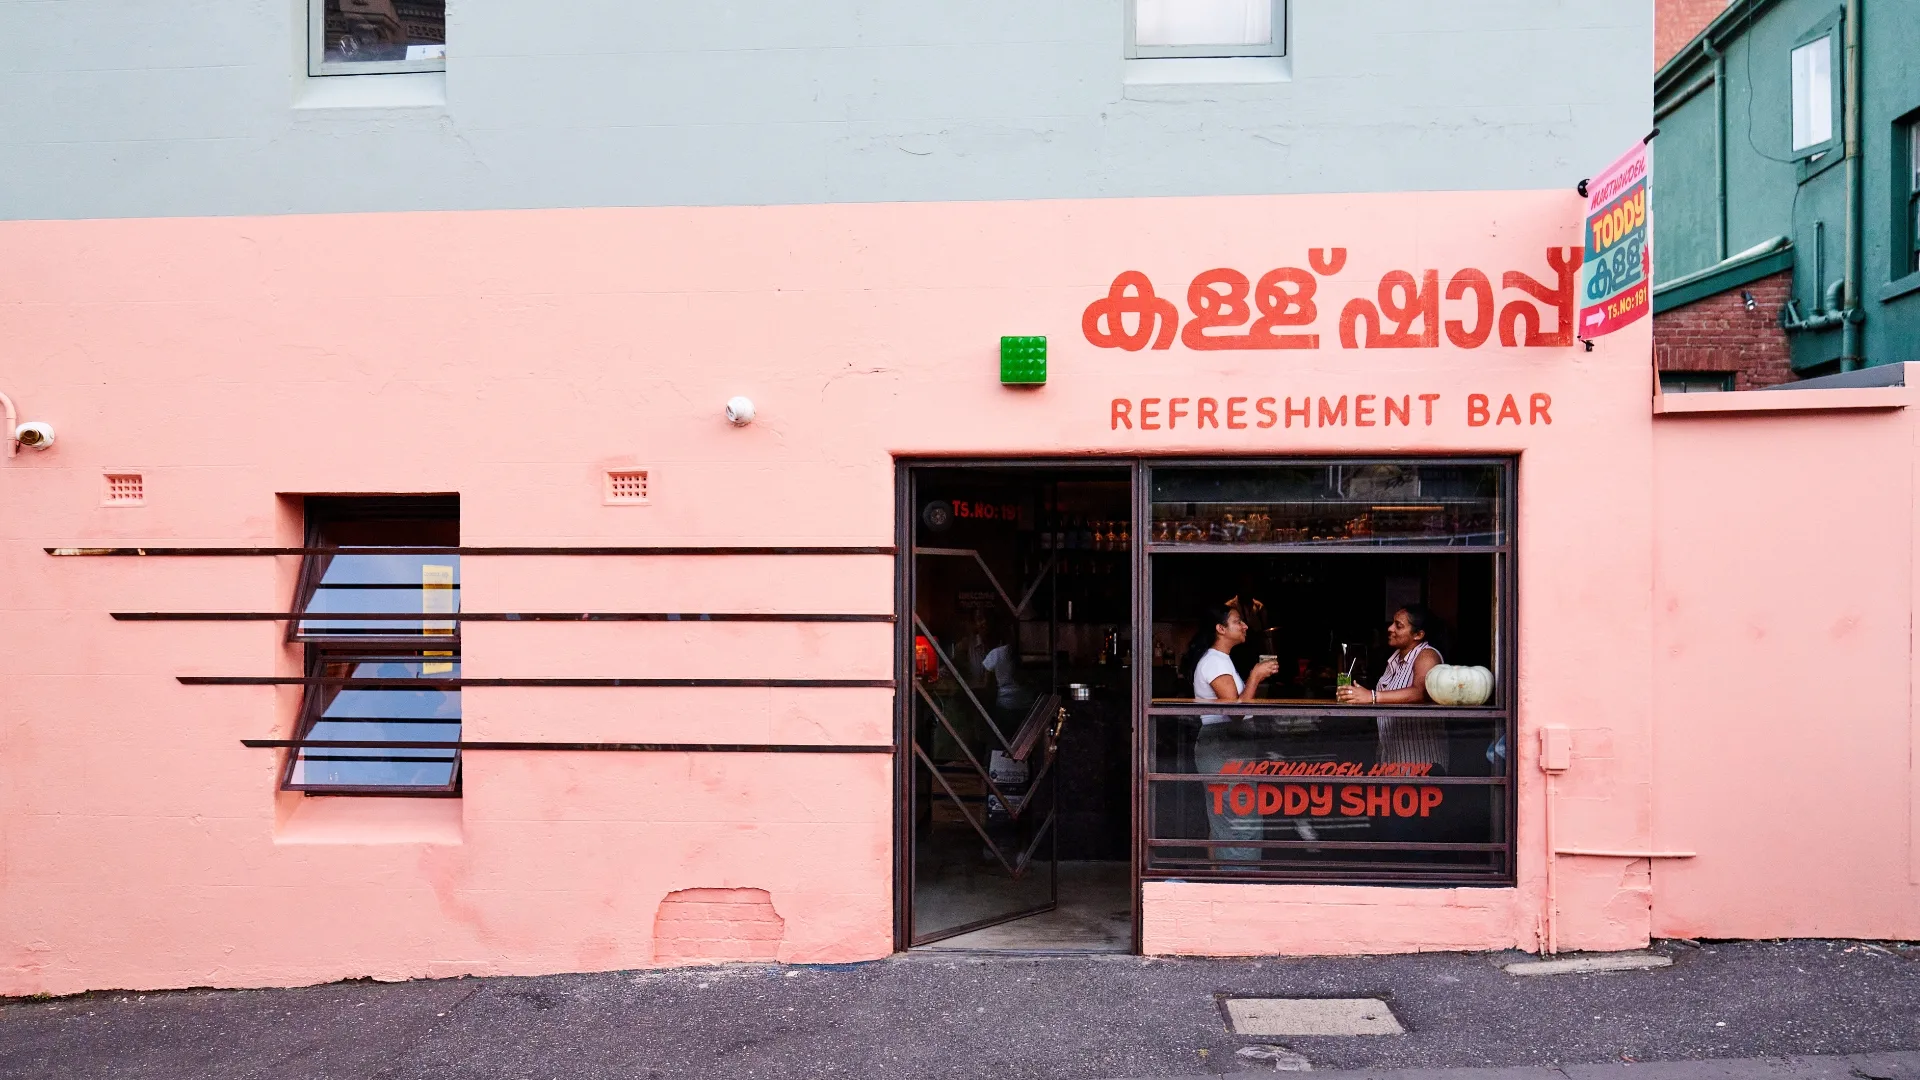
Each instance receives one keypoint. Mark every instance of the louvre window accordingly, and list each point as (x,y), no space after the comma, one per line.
(378,569)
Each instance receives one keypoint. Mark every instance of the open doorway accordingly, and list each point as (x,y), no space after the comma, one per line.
(1017,785)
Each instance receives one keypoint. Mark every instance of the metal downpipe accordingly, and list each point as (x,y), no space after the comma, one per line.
(1850,358)
(1719,147)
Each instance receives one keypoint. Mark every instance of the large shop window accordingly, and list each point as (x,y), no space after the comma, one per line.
(370,37)
(366,601)
(1327,573)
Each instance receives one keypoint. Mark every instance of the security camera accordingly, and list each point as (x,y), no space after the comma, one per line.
(34,434)
(740,411)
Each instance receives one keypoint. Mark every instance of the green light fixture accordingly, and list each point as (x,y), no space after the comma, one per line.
(1023,361)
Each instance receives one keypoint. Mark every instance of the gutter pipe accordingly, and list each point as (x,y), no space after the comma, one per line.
(1719,78)
(1850,358)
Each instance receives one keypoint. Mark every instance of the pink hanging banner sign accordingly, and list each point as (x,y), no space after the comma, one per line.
(1616,274)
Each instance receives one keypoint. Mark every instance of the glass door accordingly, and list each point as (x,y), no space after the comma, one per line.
(984,717)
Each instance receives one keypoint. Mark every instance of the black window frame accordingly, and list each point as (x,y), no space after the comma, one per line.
(313,707)
(438,517)
(1501,711)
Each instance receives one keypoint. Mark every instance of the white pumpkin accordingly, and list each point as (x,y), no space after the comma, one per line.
(1458,684)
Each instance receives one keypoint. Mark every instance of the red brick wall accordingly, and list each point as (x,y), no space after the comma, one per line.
(1720,334)
(716,926)
(1675,22)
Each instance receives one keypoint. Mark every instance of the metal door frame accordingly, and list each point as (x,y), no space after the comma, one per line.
(904,759)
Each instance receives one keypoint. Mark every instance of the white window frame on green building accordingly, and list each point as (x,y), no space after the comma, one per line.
(1804,85)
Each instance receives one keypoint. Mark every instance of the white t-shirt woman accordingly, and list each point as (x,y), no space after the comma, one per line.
(1211,666)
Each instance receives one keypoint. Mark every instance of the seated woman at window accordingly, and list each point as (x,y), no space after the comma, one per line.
(1224,738)
(1406,739)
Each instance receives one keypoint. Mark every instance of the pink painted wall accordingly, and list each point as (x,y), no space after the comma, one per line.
(512,357)
(1784,672)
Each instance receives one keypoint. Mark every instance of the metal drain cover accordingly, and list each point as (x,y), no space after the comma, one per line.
(1311,1016)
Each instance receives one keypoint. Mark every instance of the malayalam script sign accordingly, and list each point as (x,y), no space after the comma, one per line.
(1616,273)
(1280,309)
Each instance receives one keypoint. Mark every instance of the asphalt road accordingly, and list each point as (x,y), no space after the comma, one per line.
(962,1016)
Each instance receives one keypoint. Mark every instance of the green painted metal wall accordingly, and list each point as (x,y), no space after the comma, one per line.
(1770,194)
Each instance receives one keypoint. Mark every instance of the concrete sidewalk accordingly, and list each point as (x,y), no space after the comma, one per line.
(922,1016)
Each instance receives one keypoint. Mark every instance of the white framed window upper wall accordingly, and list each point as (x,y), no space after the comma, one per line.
(376,37)
(1815,88)
(1181,29)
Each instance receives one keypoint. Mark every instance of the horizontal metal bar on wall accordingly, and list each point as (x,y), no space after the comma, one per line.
(1343,877)
(388,720)
(623,747)
(1608,853)
(449,684)
(493,616)
(205,552)
(1326,549)
(1241,778)
(1340,845)
(1330,708)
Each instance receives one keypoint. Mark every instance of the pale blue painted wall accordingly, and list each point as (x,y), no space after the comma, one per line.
(147,108)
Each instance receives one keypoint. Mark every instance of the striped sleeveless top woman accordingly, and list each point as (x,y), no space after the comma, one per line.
(1409,739)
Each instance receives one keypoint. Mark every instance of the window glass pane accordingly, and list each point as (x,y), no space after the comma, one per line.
(1203,22)
(1300,794)
(384,584)
(358,581)
(1813,93)
(1374,504)
(428,714)
(365,31)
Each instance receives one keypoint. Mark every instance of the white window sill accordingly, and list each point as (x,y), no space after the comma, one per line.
(1209,69)
(408,90)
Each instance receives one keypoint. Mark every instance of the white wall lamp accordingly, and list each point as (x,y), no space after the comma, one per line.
(740,411)
(32,434)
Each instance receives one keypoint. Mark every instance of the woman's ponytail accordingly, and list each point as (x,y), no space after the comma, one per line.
(1211,618)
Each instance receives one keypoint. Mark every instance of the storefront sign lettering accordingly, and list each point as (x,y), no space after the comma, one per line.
(1327,768)
(1325,800)
(1355,410)
(1618,259)
(1279,309)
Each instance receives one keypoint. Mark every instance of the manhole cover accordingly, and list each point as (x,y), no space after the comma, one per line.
(1311,1016)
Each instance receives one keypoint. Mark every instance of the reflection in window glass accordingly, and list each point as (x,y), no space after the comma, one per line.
(360,579)
(383,31)
(359,565)
(379,714)
(383,584)
(1813,93)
